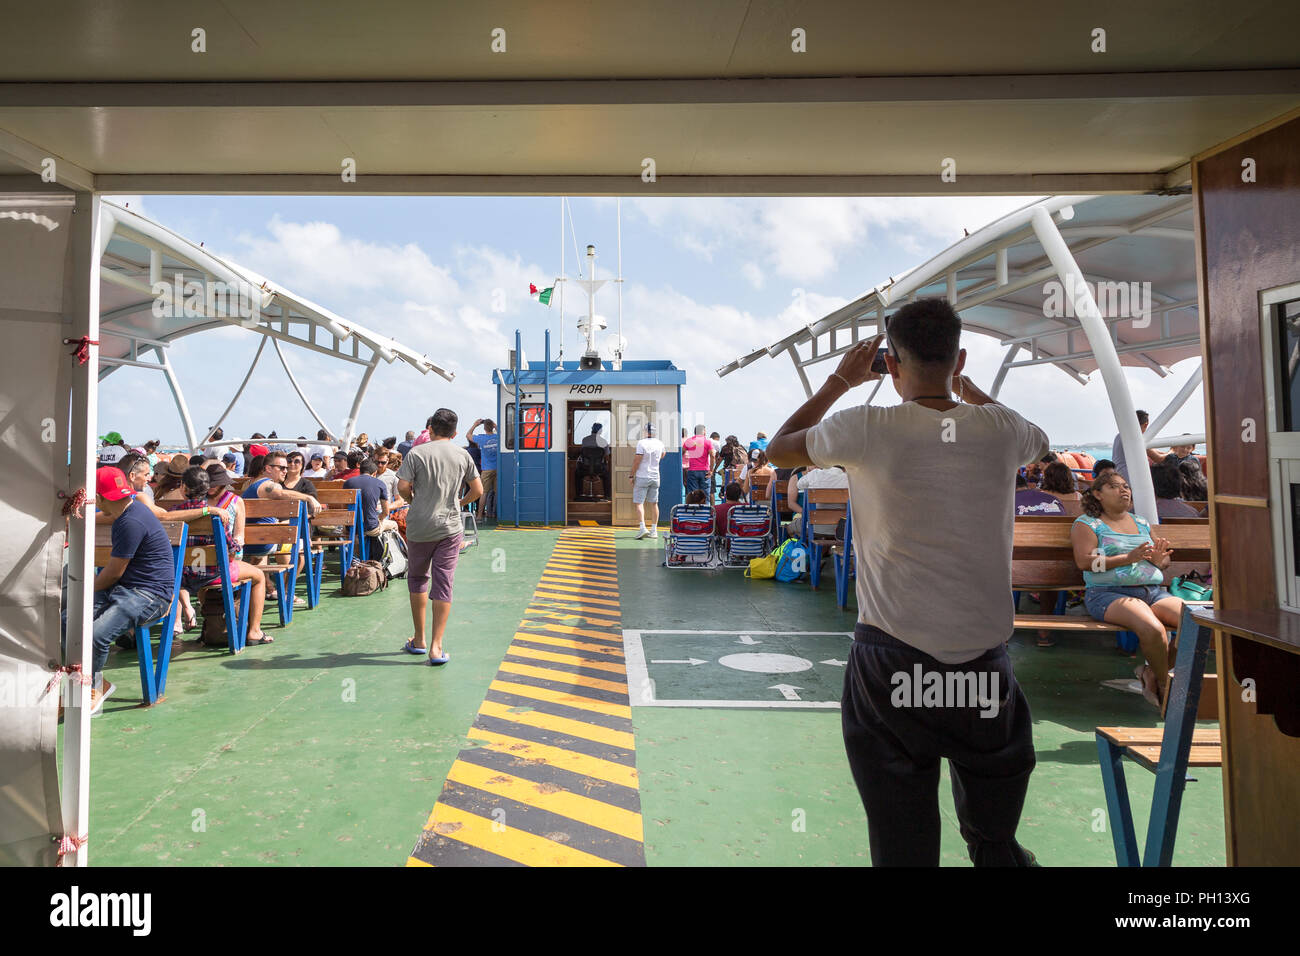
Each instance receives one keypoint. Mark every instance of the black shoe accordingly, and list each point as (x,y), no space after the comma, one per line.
(126,642)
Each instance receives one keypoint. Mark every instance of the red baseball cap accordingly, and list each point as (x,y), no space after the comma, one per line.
(256,450)
(111,484)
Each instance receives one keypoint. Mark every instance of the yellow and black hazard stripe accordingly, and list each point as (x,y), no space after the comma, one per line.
(553,779)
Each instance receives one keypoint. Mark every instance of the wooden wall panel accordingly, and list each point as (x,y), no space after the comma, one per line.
(1248,241)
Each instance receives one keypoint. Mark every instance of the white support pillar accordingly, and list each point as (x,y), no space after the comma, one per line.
(1103,350)
(296,387)
(1179,400)
(83,309)
(350,426)
(240,391)
(803,376)
(1003,369)
(879,382)
(179,397)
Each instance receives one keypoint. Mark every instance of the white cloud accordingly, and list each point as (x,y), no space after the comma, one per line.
(753,274)
(804,238)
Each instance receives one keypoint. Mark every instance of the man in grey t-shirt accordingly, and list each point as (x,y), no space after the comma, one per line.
(933,576)
(430,478)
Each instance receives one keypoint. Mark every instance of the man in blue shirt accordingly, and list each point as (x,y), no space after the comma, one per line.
(373,494)
(489,444)
(136,586)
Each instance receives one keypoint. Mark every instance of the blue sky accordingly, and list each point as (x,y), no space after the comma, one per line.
(705,280)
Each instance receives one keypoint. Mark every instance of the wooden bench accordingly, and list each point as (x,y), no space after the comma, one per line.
(217,555)
(153,676)
(760,488)
(340,525)
(1167,752)
(1043,560)
(822,510)
(289,515)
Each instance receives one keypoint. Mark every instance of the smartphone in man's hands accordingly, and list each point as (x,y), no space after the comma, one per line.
(878,363)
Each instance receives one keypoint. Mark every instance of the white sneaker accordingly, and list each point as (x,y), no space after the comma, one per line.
(97,700)
(653,534)
(641,534)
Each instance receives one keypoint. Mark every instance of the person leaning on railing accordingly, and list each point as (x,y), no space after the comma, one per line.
(1123,568)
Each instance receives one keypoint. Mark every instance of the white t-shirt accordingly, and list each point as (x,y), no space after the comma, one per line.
(934,567)
(822,478)
(389,478)
(650,450)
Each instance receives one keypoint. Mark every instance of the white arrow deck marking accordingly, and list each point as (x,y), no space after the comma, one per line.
(690,660)
(787,691)
(835,663)
(746,639)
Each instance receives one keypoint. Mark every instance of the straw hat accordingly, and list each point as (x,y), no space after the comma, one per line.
(176,467)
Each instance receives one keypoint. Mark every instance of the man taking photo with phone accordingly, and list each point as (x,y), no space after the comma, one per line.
(933,589)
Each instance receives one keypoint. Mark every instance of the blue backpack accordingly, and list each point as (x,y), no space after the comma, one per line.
(792,561)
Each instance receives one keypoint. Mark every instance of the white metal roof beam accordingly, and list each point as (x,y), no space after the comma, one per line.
(312,183)
(1133,347)
(34,158)
(653,92)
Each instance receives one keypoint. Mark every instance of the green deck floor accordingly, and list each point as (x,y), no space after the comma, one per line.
(330,746)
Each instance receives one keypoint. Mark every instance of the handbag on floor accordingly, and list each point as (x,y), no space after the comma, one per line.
(364,577)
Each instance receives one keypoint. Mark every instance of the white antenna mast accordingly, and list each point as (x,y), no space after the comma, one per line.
(561,282)
(618,355)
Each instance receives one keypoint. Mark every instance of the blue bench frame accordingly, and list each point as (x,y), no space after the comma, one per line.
(1175,751)
(815,551)
(315,563)
(845,564)
(153,675)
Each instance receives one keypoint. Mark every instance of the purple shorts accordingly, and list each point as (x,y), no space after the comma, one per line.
(434,560)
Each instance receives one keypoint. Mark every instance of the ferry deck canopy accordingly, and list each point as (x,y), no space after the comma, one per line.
(205,291)
(1018,279)
(725,97)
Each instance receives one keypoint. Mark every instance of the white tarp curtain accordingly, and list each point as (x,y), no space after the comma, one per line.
(35,379)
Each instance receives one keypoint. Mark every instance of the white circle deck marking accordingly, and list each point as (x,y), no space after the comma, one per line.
(765,663)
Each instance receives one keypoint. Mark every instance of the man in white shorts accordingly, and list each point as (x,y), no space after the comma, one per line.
(645,481)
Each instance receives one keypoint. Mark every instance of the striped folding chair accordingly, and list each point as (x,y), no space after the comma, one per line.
(749,535)
(689,542)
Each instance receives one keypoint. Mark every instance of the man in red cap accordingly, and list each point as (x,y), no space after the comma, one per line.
(136,586)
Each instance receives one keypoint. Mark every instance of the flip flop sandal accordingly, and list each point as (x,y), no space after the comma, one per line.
(261,640)
(410,648)
(438,661)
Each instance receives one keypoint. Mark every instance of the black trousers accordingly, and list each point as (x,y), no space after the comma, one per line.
(894,744)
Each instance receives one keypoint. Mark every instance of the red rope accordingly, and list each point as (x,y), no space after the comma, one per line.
(72,504)
(82,350)
(71,844)
(71,672)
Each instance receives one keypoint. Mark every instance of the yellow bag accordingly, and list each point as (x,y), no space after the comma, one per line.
(765,567)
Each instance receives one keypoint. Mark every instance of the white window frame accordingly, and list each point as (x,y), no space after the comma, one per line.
(1283,451)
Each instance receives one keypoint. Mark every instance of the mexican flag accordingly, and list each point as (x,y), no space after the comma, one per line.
(542,295)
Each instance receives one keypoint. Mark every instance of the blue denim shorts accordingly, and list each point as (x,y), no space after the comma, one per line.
(1098,599)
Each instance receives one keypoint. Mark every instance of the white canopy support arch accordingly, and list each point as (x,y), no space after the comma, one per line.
(1079,282)
(157,287)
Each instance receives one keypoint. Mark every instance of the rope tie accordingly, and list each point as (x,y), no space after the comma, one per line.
(73,503)
(71,672)
(82,350)
(71,844)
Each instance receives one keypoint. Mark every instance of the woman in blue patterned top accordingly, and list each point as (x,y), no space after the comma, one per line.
(1123,568)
